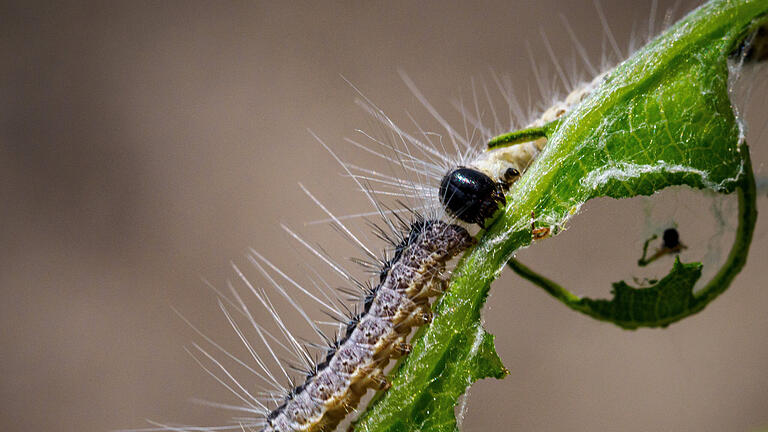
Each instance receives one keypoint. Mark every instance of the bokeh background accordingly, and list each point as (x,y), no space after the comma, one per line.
(145,145)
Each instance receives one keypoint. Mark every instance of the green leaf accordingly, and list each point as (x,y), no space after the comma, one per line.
(672,298)
(661,118)
(656,305)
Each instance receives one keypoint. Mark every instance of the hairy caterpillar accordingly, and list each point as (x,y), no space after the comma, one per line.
(311,422)
(356,362)
(353,362)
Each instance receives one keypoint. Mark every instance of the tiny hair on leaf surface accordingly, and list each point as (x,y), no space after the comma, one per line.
(661,118)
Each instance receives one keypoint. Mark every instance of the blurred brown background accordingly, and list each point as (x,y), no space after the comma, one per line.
(144,145)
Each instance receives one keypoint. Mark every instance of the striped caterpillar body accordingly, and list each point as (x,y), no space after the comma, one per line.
(397,304)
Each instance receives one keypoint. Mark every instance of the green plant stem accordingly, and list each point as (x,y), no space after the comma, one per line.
(521,136)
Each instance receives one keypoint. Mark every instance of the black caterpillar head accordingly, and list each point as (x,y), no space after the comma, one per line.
(471,195)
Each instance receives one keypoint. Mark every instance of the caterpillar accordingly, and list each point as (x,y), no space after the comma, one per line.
(421,244)
(355,360)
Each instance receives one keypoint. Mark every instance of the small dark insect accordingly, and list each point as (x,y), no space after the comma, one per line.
(671,238)
(471,195)
(670,245)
